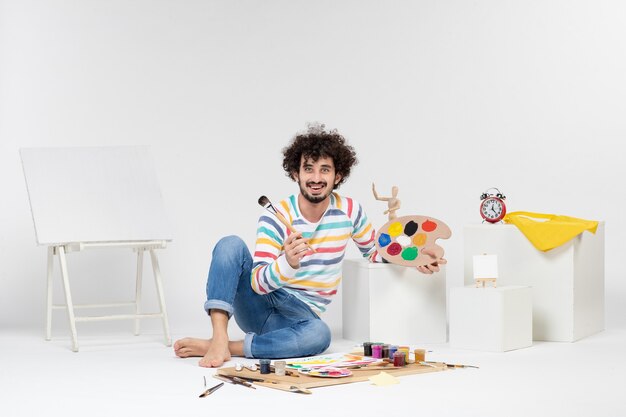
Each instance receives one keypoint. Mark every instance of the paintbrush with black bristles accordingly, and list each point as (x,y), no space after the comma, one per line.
(267,205)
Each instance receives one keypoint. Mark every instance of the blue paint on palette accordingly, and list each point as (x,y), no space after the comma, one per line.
(384,239)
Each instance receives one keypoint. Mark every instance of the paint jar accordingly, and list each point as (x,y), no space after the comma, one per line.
(377,351)
(367,348)
(405,350)
(264,364)
(398,359)
(279,368)
(385,352)
(392,349)
(420,355)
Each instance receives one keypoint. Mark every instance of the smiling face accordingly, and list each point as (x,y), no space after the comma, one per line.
(316,179)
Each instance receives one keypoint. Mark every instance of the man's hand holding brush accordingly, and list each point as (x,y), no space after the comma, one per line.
(296,248)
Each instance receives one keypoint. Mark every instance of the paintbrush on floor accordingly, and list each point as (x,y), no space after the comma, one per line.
(211,390)
(267,205)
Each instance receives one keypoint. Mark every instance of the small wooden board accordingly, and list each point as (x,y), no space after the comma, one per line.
(358,375)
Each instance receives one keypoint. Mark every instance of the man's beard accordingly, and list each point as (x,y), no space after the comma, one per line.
(315,199)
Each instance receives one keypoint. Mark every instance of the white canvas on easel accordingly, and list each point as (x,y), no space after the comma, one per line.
(97,197)
(485,269)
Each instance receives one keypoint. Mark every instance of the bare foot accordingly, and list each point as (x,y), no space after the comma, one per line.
(217,353)
(189,346)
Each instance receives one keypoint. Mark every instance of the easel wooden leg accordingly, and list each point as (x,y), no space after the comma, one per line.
(159,288)
(49,295)
(138,287)
(68,297)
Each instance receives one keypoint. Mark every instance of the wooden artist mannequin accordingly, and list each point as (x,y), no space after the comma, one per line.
(393,203)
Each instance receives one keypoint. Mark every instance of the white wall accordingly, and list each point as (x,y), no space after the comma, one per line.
(442,98)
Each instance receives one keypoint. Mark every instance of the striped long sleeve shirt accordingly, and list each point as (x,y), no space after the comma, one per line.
(319,275)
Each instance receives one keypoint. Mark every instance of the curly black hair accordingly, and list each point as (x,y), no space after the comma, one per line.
(318,143)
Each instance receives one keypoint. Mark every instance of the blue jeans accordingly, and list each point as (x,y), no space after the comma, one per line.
(277,325)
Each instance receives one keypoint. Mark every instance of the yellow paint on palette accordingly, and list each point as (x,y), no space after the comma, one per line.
(395,229)
(420,239)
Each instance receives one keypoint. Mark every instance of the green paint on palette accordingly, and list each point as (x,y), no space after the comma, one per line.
(409,254)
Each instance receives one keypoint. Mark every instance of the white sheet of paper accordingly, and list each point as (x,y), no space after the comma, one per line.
(485,266)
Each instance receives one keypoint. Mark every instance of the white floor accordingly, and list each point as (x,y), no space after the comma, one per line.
(119,375)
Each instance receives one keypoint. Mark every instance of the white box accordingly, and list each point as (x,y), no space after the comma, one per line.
(392,303)
(567,282)
(491,319)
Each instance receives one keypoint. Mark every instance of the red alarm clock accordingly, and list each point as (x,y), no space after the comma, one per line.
(492,207)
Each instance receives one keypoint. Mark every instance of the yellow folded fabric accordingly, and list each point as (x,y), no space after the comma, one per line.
(548,231)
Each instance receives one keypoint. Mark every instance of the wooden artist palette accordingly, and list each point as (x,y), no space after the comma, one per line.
(402,240)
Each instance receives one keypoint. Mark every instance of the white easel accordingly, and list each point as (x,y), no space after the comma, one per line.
(96,198)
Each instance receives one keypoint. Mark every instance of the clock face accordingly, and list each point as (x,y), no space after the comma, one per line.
(492,209)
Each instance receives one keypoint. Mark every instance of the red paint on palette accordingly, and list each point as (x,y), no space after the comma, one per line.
(394,249)
(429,226)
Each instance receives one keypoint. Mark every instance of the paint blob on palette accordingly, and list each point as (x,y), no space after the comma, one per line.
(402,240)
